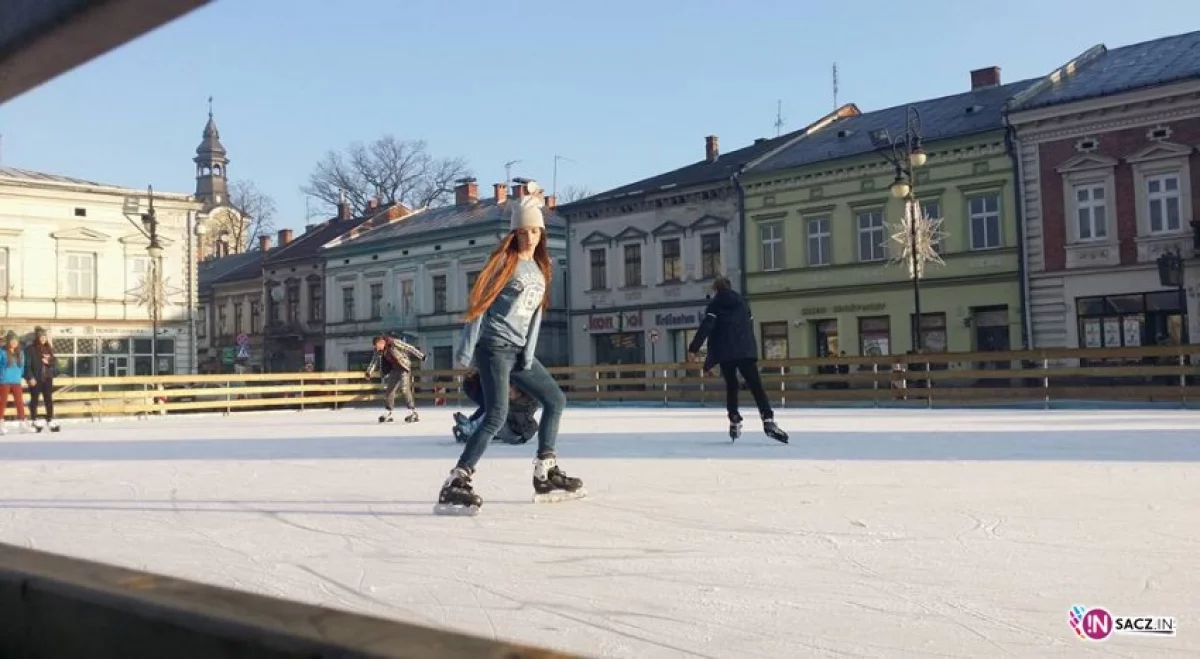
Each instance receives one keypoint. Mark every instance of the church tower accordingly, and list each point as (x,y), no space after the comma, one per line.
(212,184)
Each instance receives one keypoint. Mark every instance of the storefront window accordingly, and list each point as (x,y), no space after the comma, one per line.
(774,340)
(825,333)
(1117,321)
(933,331)
(874,336)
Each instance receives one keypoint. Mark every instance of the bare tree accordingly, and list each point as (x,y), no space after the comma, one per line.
(574,193)
(258,212)
(395,170)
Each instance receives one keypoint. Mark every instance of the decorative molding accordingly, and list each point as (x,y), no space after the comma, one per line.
(81,234)
(768,217)
(668,228)
(1164,129)
(1092,255)
(1149,248)
(1087,144)
(6,232)
(630,234)
(707,221)
(1060,128)
(596,238)
(141,240)
(1086,162)
(1160,150)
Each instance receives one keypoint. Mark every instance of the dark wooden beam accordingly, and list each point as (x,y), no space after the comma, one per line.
(41,39)
(57,606)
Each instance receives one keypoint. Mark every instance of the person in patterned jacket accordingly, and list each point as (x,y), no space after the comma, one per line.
(393,358)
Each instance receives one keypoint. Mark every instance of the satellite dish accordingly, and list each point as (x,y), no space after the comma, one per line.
(277,294)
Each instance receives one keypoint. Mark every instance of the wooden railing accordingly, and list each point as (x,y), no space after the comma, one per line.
(1150,374)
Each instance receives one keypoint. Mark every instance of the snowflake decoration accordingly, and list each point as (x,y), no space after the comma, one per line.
(151,290)
(929,235)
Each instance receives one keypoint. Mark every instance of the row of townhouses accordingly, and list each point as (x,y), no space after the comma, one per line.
(1056,195)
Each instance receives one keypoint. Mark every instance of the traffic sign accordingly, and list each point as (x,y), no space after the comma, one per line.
(243,353)
(654,336)
(242,339)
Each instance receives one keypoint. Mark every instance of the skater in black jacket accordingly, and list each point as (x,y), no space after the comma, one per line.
(393,358)
(521,424)
(728,327)
(40,369)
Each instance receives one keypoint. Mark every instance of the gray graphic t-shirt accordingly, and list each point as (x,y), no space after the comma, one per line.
(510,314)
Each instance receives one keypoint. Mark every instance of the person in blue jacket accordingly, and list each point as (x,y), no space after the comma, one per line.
(12,379)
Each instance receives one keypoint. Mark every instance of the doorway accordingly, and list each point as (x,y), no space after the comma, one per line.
(114,366)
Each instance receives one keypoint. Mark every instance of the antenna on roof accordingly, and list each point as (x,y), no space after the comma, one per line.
(554,184)
(508,171)
(835,86)
(779,118)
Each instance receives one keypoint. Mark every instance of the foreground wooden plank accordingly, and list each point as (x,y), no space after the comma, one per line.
(66,608)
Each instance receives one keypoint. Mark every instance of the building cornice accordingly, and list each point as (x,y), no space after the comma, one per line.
(1114,113)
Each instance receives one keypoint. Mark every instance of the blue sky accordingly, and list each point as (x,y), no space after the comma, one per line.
(623,88)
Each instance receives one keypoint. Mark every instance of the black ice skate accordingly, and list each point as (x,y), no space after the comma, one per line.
(457,497)
(53,426)
(552,485)
(735,427)
(774,431)
(386,418)
(412,417)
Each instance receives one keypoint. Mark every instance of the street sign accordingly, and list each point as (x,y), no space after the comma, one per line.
(242,339)
(654,336)
(243,353)
(227,356)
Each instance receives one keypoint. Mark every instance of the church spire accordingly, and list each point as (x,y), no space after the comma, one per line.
(211,161)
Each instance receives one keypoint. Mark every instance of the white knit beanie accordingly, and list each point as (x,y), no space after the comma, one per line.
(526,212)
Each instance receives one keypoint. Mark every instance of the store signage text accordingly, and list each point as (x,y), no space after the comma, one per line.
(677,319)
(844,308)
(609,322)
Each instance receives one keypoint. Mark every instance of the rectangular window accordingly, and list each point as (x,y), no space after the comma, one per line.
(818,240)
(985,222)
(871,236)
(874,336)
(293,302)
(1091,208)
(472,277)
(139,270)
(316,301)
(222,320)
(710,255)
(672,261)
(406,296)
(201,323)
(598,260)
(439,294)
(348,311)
(4,272)
(81,275)
(255,316)
(377,301)
(1162,195)
(933,211)
(774,340)
(933,331)
(771,238)
(633,265)
(238,310)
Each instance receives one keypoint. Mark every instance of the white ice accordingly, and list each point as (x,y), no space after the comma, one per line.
(876,533)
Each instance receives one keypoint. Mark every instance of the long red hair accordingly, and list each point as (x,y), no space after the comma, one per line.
(499,271)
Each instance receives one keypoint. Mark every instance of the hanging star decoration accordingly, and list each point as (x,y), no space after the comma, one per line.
(929,236)
(151,290)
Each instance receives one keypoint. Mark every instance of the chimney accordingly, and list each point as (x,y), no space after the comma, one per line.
(711,148)
(551,202)
(988,77)
(372,204)
(501,192)
(343,210)
(264,244)
(518,190)
(285,237)
(466,192)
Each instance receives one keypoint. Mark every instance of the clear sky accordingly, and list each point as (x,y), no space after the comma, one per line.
(623,88)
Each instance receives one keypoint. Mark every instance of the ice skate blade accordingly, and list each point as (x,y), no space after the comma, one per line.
(560,497)
(455,510)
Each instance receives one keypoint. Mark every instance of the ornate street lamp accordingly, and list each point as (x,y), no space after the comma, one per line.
(916,234)
(155,250)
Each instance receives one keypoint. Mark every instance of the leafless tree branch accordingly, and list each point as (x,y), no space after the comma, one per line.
(395,170)
(574,193)
(256,206)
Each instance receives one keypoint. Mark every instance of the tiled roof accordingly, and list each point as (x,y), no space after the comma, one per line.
(227,269)
(941,118)
(40,177)
(1140,65)
(486,211)
(309,244)
(697,173)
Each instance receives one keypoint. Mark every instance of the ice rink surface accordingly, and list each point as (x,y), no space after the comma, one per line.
(876,533)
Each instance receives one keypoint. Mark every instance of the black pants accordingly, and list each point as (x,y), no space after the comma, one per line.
(44,389)
(749,371)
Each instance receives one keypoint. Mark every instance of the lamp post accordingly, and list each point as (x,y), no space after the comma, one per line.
(155,250)
(918,233)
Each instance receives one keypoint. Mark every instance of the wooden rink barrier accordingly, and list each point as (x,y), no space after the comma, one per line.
(57,607)
(1160,375)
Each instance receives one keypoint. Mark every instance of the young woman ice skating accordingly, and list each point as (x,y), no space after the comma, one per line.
(12,380)
(504,315)
(729,329)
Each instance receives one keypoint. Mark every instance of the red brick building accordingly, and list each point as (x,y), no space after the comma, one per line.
(1107,158)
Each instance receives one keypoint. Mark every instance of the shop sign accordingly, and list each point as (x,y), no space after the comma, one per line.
(672,319)
(856,307)
(613,322)
(91,330)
